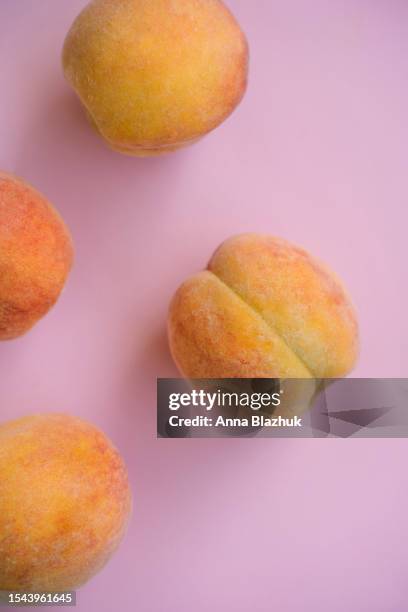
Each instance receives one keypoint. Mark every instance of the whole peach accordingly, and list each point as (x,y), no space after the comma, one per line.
(264,308)
(35,256)
(156,75)
(64,502)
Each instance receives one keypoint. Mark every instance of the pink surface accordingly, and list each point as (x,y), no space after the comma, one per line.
(316,153)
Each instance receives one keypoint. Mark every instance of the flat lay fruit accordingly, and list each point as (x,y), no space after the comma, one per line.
(156,75)
(264,308)
(64,502)
(36,256)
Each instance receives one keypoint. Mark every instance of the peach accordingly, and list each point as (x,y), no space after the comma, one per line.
(64,502)
(264,308)
(156,75)
(35,256)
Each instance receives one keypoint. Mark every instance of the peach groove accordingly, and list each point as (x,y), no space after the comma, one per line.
(272,330)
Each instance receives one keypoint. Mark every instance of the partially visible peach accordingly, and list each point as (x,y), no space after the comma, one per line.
(64,503)
(35,256)
(156,75)
(264,308)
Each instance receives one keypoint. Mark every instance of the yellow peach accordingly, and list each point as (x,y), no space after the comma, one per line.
(156,75)
(35,256)
(264,308)
(64,502)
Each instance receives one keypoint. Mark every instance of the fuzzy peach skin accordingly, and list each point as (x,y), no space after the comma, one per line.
(264,308)
(156,75)
(36,256)
(64,502)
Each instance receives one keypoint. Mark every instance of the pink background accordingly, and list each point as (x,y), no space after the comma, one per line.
(316,153)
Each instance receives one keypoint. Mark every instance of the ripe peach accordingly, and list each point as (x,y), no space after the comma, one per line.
(156,75)
(264,308)
(35,256)
(64,502)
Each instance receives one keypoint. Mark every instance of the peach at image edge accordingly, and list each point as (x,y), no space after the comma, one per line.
(264,308)
(65,502)
(36,255)
(156,75)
